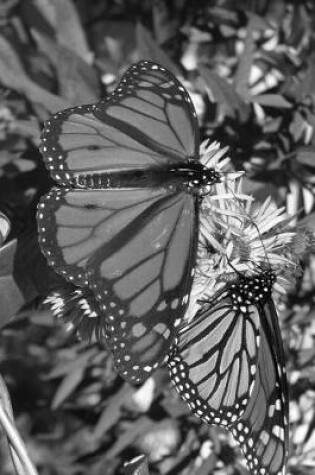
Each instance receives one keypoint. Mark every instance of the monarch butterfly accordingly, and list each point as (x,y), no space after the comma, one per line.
(123,220)
(228,364)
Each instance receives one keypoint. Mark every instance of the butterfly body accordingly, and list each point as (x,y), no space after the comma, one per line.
(228,364)
(193,178)
(123,217)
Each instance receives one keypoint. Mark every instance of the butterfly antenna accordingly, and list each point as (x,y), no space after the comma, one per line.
(232,174)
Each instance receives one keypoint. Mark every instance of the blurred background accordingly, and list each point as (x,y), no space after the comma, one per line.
(249,67)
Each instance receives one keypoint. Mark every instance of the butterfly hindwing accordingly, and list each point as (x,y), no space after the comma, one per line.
(135,250)
(74,224)
(214,363)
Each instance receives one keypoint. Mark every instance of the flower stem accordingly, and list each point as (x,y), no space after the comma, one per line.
(20,458)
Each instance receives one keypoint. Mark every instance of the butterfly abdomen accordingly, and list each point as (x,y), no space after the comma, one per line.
(122,180)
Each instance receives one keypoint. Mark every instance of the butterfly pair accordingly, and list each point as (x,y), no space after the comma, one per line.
(122,226)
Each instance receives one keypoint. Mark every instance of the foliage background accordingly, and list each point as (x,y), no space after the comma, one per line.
(249,67)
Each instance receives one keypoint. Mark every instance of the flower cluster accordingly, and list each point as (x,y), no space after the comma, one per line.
(238,235)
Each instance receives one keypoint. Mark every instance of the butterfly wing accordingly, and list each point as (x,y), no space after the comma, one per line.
(148,121)
(135,249)
(262,431)
(213,367)
(151,105)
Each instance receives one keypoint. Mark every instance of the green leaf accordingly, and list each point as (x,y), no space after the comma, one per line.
(12,76)
(67,387)
(78,81)
(272,124)
(80,361)
(150,50)
(297,126)
(44,11)
(222,93)
(164,23)
(245,63)
(6,6)
(137,466)
(272,100)
(69,30)
(112,411)
(27,128)
(306,156)
(24,275)
(5,227)
(139,427)
(308,221)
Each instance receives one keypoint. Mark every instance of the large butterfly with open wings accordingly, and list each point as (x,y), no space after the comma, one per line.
(228,364)
(122,221)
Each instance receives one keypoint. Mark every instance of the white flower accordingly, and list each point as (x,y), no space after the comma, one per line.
(240,236)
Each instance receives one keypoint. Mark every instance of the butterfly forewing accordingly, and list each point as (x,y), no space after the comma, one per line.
(149,98)
(262,431)
(74,224)
(148,122)
(75,143)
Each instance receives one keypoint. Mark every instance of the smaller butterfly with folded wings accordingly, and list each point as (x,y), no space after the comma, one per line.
(228,364)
